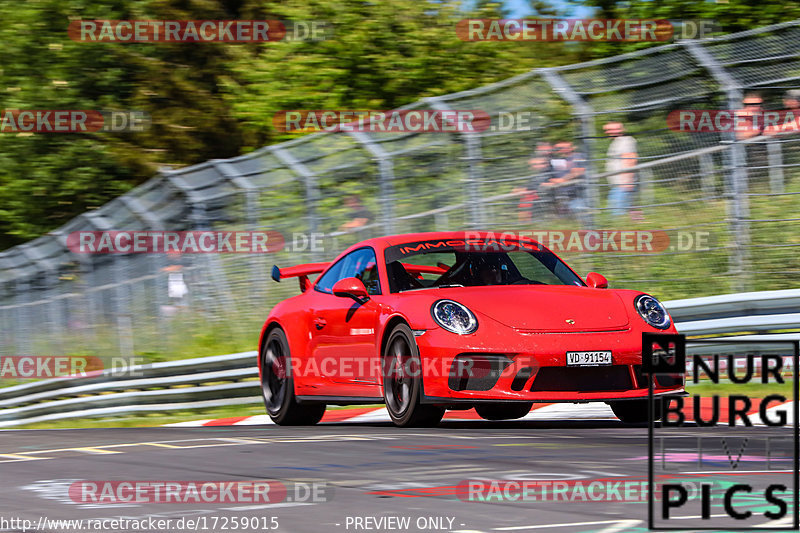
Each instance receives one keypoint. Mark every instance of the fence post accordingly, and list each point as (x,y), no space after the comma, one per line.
(584,112)
(385,178)
(121,310)
(258,277)
(157,265)
(21,333)
(775,162)
(737,163)
(312,190)
(250,192)
(472,145)
(707,175)
(647,194)
(54,312)
(94,301)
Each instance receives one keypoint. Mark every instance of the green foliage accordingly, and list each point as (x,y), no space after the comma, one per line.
(47,178)
(213,100)
(729,16)
(382,55)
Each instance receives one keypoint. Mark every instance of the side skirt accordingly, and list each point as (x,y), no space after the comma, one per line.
(339,400)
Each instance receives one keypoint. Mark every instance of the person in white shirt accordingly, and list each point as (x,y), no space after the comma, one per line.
(621,155)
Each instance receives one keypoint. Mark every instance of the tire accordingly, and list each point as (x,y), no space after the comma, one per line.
(277,386)
(503,411)
(635,411)
(402,382)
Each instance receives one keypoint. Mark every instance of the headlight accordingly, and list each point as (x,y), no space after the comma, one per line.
(454,317)
(652,311)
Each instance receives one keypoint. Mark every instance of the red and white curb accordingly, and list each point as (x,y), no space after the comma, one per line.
(540,411)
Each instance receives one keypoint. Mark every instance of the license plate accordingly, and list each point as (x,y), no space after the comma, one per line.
(588,358)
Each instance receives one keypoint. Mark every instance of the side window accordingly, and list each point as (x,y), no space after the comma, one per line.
(360,264)
(329,278)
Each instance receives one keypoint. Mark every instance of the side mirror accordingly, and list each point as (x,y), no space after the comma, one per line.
(351,288)
(593,279)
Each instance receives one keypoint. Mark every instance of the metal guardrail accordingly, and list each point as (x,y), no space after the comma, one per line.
(158,387)
(231,379)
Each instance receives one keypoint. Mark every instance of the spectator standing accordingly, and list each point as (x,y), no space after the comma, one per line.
(360,216)
(757,160)
(540,165)
(568,180)
(753,114)
(177,290)
(621,155)
(791,104)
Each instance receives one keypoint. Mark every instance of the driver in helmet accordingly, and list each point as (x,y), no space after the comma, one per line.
(487,269)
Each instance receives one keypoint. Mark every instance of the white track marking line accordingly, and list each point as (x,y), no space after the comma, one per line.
(266,506)
(698,516)
(15,458)
(613,523)
(255,420)
(786,521)
(189,424)
(435,471)
(95,451)
(571,411)
(379,415)
(620,526)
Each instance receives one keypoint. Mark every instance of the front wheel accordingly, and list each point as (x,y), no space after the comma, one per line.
(635,411)
(402,382)
(503,411)
(277,386)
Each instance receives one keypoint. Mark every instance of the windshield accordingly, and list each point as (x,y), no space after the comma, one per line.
(449,263)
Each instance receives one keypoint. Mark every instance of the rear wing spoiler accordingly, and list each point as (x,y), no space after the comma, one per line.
(424,269)
(300,271)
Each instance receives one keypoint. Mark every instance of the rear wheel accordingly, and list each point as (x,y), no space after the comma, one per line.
(503,411)
(635,411)
(277,386)
(402,382)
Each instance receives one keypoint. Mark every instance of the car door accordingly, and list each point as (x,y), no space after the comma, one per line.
(343,331)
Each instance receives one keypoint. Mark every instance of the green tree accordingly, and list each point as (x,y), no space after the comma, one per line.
(48,178)
(729,16)
(382,55)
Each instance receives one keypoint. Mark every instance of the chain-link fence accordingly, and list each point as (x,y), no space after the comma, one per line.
(739,195)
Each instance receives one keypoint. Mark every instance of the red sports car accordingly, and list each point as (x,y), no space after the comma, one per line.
(434,321)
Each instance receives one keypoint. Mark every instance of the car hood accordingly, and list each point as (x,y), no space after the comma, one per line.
(549,308)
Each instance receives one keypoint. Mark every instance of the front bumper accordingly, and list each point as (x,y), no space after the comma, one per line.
(514,366)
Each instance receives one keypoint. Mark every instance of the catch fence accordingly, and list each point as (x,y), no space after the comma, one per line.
(739,197)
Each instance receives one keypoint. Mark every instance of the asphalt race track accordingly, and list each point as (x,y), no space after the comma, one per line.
(372,472)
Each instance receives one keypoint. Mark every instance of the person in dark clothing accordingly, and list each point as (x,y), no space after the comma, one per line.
(542,172)
(568,181)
